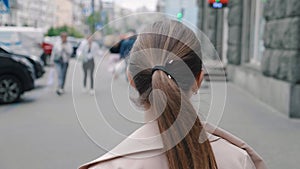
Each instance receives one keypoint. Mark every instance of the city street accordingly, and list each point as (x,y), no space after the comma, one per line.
(43,130)
(250,52)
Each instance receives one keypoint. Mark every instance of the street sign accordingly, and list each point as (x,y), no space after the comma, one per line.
(4,6)
(103,16)
(217,4)
(98,26)
(87,11)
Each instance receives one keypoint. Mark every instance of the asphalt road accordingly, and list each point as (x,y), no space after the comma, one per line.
(45,131)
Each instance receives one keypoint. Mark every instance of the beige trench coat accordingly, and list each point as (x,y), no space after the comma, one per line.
(143,150)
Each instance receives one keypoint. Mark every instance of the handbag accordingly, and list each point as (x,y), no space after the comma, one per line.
(58,58)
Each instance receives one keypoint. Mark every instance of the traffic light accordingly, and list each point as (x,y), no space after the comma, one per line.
(180,14)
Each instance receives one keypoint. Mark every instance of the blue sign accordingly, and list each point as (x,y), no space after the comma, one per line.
(86,11)
(103,16)
(98,26)
(217,5)
(10,43)
(4,6)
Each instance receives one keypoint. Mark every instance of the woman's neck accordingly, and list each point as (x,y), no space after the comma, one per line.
(149,116)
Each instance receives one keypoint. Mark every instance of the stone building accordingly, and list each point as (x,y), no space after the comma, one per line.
(44,14)
(63,13)
(259,40)
(34,13)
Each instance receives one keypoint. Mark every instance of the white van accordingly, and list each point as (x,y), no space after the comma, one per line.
(22,40)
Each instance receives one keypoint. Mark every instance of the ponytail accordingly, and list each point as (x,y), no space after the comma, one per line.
(164,62)
(175,113)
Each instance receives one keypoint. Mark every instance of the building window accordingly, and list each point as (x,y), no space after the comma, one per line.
(257,24)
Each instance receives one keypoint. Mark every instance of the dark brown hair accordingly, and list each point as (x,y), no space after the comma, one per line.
(175,47)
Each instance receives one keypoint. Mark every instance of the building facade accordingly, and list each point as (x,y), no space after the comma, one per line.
(45,14)
(260,41)
(63,13)
(188,9)
(35,13)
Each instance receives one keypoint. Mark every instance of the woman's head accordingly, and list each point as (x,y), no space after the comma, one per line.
(169,44)
(64,36)
(165,67)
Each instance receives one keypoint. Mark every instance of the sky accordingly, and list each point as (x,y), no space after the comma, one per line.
(134,4)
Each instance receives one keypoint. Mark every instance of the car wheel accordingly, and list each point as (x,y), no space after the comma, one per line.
(10,89)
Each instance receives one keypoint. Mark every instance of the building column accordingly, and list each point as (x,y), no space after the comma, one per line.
(281,59)
(235,31)
(246,18)
(210,21)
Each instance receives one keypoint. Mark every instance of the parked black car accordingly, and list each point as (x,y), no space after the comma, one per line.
(16,76)
(34,60)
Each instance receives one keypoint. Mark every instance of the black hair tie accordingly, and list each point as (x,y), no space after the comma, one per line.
(162,68)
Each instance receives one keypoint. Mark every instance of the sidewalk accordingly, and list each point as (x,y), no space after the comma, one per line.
(274,136)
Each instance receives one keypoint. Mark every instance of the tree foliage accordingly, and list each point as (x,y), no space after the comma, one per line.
(93,19)
(70,30)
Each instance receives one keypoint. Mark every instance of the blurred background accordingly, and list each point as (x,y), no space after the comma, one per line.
(258,46)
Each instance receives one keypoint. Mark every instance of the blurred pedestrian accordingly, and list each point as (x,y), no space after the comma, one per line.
(125,46)
(165,68)
(60,56)
(114,57)
(87,50)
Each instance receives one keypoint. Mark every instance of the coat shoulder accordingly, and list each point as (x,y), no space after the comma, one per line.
(230,156)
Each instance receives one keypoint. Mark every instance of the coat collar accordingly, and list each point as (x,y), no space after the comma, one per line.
(146,138)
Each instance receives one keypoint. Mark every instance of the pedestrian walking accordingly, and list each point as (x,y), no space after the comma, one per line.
(87,51)
(125,46)
(165,68)
(60,56)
